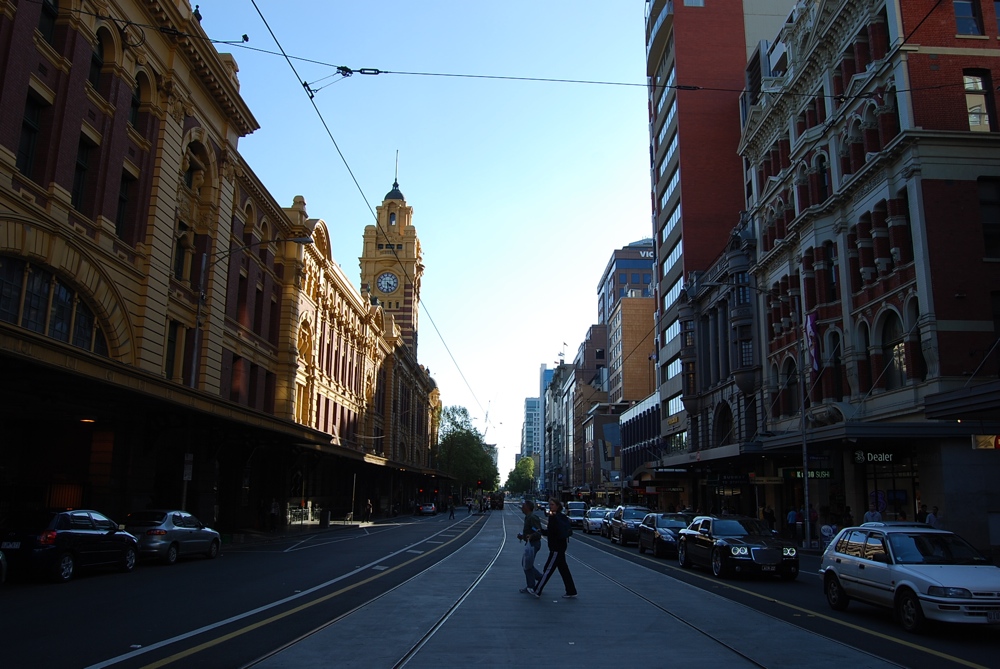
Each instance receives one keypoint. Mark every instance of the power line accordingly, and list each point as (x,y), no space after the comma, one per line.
(329,133)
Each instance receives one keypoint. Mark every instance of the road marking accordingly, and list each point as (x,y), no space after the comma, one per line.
(413,550)
(380,567)
(246,614)
(812,614)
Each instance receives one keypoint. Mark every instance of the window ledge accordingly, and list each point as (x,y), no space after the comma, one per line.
(973,37)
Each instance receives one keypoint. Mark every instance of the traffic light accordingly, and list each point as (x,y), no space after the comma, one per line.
(479,484)
(421,490)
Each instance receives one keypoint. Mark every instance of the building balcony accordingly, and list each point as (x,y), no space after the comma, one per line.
(658,24)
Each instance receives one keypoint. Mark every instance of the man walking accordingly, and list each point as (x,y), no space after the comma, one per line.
(558,532)
(531,535)
(451,509)
(872,515)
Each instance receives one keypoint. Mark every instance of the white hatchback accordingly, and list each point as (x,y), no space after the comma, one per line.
(921,573)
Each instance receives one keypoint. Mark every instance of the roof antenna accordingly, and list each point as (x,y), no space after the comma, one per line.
(395,179)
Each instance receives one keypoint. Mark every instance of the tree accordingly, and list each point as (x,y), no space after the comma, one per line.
(462,453)
(522,477)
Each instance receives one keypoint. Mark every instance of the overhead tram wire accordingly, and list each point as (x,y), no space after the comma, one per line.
(329,133)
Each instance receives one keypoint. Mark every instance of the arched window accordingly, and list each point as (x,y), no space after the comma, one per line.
(97,62)
(893,353)
(823,179)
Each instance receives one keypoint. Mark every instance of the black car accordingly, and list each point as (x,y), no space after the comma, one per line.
(56,543)
(625,523)
(658,532)
(736,545)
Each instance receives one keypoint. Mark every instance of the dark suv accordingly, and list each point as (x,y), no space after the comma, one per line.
(625,523)
(57,542)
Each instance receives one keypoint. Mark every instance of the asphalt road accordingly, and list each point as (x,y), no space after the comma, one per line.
(219,613)
(861,626)
(253,600)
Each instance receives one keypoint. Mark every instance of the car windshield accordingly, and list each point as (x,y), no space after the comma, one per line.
(635,514)
(145,518)
(596,513)
(932,548)
(739,528)
(576,513)
(668,521)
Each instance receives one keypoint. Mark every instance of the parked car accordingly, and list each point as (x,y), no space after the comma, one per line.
(56,543)
(577,505)
(576,517)
(625,523)
(921,573)
(168,535)
(659,531)
(427,509)
(736,545)
(606,523)
(593,520)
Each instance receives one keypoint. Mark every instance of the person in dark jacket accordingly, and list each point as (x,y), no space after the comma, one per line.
(558,533)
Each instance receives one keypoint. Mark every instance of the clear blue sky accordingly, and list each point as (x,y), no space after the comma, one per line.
(521,189)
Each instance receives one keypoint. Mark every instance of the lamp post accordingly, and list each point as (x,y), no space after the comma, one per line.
(205,265)
(801,358)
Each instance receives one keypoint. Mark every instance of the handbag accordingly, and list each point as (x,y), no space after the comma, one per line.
(528,557)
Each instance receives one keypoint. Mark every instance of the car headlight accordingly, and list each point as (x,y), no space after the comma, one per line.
(630,526)
(739,550)
(668,537)
(937,591)
(788,551)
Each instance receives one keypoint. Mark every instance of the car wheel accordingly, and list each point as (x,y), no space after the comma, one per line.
(836,596)
(64,567)
(127,563)
(171,555)
(719,569)
(213,550)
(909,613)
(682,555)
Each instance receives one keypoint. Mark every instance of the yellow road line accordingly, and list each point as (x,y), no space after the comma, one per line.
(298,609)
(794,607)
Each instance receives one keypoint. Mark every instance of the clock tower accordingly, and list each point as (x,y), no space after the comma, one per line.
(392,264)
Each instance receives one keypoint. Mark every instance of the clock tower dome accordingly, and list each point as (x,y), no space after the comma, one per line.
(392,264)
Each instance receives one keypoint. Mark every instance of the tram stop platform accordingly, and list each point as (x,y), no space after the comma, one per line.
(456,615)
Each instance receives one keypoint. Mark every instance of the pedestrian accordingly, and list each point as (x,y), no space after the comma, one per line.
(469,504)
(922,514)
(531,535)
(848,518)
(368,511)
(872,515)
(790,523)
(769,517)
(451,509)
(932,518)
(275,511)
(813,521)
(558,533)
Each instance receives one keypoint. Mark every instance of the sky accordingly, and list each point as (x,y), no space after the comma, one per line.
(521,190)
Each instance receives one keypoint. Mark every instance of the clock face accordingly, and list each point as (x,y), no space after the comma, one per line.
(387,282)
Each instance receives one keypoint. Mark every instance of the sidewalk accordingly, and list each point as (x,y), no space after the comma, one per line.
(494,625)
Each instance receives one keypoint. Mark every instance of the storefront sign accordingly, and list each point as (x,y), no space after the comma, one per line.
(862,457)
(813,473)
(677,489)
(767,480)
(986,441)
(733,479)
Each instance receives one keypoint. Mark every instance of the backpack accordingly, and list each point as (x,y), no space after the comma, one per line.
(562,528)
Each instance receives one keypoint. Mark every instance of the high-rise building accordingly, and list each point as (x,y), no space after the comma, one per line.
(531,431)
(629,273)
(696,55)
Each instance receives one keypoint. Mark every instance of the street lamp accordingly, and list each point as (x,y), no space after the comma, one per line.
(800,344)
(205,265)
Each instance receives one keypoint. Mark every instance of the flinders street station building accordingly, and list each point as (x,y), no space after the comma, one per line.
(170,336)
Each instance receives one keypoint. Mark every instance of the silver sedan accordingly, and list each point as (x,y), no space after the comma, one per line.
(167,535)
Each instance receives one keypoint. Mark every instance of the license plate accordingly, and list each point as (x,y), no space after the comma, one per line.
(768,567)
(10,545)
(993,616)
